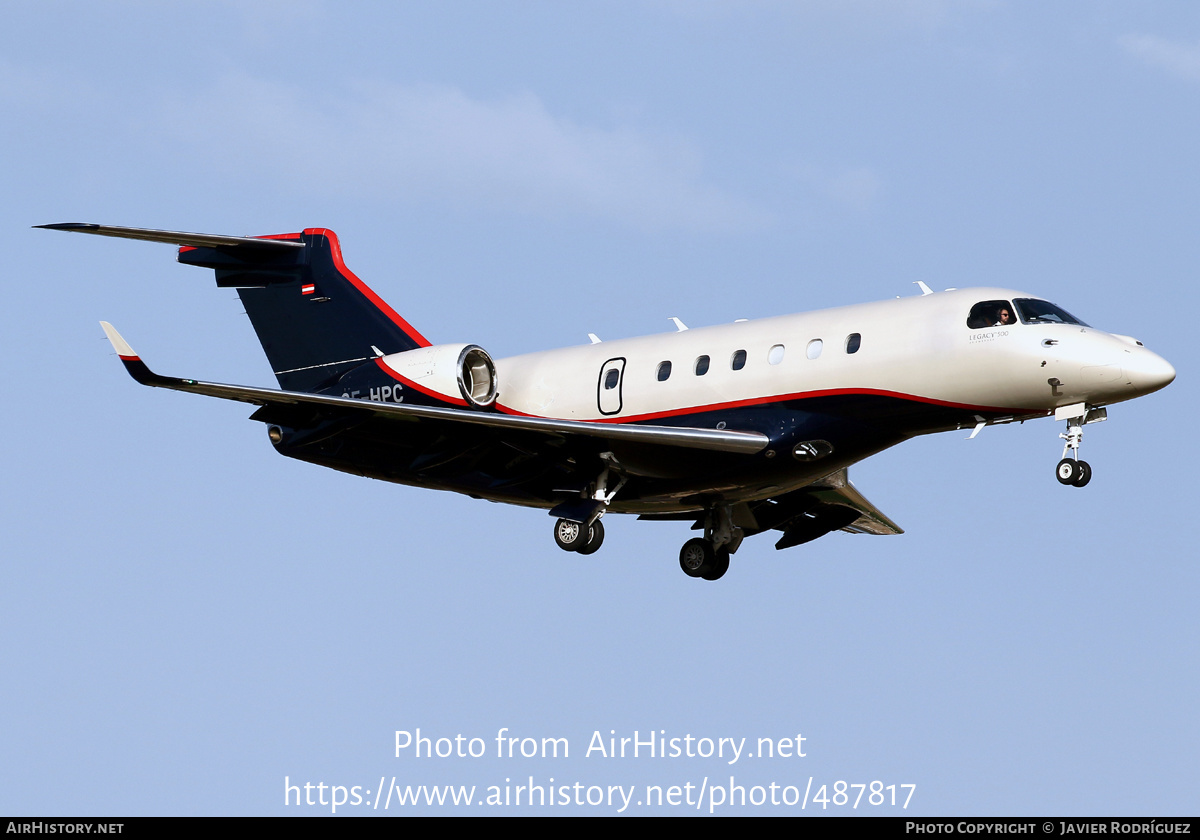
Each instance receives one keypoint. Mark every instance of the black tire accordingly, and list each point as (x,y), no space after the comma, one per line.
(720,565)
(595,539)
(570,536)
(1085,474)
(696,557)
(1067,471)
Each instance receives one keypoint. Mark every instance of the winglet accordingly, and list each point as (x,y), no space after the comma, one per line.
(133,363)
(119,344)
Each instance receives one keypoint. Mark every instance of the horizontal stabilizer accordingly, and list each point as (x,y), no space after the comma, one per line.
(314,318)
(173,237)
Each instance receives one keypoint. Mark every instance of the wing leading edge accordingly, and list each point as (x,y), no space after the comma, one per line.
(745,443)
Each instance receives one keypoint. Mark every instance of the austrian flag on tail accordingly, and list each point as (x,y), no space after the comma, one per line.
(308,288)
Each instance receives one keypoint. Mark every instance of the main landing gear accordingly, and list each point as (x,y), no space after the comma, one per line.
(579,528)
(577,537)
(707,557)
(700,559)
(1071,470)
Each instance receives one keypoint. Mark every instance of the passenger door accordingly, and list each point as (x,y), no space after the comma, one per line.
(608,389)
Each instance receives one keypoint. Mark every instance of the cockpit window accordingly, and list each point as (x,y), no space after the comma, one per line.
(991,313)
(1034,311)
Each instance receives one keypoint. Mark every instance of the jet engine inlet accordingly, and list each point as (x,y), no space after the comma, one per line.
(476,376)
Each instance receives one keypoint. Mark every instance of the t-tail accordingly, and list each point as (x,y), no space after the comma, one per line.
(315,319)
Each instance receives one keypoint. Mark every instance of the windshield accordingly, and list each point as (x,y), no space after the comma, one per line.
(1034,311)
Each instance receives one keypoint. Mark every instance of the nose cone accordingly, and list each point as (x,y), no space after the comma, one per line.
(1147,371)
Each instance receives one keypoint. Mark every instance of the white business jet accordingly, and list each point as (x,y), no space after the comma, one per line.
(738,429)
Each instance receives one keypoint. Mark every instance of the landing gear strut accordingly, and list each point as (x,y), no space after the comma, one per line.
(707,557)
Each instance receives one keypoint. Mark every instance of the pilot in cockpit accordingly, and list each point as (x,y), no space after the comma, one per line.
(991,313)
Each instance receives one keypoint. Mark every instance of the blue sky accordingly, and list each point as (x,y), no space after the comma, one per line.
(189,618)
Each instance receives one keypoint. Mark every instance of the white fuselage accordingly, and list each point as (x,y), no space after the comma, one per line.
(918,348)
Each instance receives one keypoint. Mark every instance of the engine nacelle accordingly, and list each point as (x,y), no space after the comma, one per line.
(456,372)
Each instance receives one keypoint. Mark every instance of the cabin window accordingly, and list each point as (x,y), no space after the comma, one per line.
(775,356)
(701,365)
(611,379)
(664,371)
(1033,311)
(739,360)
(991,313)
(814,348)
(852,342)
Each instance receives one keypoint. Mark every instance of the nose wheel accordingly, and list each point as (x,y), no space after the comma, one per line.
(1071,470)
(1077,473)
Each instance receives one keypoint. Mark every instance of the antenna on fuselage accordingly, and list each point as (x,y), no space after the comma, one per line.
(594,338)
(925,290)
(679,325)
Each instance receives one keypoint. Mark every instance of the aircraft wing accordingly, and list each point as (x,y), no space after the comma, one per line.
(836,489)
(831,504)
(746,443)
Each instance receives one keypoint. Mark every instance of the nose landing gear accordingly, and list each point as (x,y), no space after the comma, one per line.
(1071,470)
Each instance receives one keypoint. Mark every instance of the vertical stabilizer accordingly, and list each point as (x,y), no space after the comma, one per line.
(314,317)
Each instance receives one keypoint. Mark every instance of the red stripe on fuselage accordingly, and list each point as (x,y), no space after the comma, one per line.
(799,395)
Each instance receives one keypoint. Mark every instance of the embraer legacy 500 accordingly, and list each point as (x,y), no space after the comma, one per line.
(738,429)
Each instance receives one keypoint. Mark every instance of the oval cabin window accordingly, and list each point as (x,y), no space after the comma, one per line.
(776,354)
(739,360)
(852,342)
(702,365)
(814,348)
(664,371)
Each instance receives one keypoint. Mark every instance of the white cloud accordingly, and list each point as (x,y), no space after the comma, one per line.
(1177,58)
(437,144)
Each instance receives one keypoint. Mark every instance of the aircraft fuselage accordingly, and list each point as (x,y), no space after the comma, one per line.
(845,382)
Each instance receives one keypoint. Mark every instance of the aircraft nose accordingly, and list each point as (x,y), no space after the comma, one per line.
(1148,371)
